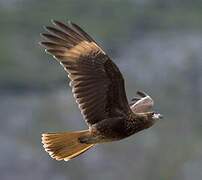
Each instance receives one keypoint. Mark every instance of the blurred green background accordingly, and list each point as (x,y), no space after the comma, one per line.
(158,48)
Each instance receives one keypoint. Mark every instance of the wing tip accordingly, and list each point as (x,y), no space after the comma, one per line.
(45,27)
(45,35)
(141,93)
(53,21)
(42,43)
(41,34)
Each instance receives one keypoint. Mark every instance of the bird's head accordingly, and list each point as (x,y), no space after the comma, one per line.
(156,116)
(152,118)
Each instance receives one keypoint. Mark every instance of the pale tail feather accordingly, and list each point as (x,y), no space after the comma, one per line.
(65,145)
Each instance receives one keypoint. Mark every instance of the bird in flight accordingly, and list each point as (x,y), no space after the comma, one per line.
(98,87)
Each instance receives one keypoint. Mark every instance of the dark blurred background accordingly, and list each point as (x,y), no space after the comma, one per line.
(158,48)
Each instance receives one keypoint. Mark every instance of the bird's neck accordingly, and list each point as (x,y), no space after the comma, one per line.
(138,122)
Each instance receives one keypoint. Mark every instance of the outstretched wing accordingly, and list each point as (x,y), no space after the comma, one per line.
(142,104)
(96,81)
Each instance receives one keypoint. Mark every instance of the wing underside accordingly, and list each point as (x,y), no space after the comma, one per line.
(96,81)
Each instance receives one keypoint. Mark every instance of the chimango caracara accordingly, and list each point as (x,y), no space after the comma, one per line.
(98,88)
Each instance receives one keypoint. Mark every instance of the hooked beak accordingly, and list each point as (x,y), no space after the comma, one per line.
(161,116)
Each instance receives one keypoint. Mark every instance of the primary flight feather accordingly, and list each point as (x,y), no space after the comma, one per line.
(98,87)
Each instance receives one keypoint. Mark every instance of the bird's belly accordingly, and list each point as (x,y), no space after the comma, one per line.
(112,129)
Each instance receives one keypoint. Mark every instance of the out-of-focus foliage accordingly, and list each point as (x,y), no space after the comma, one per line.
(157,45)
(113,23)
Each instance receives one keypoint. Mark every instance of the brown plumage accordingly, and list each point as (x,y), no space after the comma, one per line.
(98,87)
